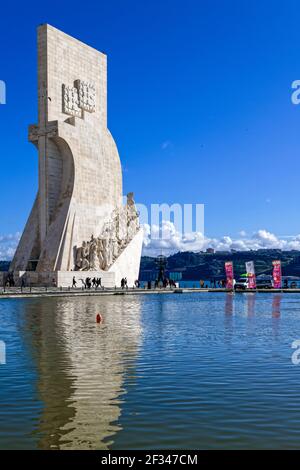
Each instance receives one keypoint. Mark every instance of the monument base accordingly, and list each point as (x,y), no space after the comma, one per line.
(126,265)
(58,278)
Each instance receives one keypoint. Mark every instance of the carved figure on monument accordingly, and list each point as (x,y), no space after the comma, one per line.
(93,255)
(78,263)
(100,253)
(85,265)
(94,260)
(132,217)
(115,248)
(105,253)
(116,234)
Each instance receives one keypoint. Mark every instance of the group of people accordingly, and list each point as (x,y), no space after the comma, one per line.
(96,283)
(88,282)
(164,283)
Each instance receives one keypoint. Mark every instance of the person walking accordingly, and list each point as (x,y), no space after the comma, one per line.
(73,283)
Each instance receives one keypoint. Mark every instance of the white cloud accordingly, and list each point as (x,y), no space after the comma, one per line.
(173,241)
(242,233)
(196,241)
(8,245)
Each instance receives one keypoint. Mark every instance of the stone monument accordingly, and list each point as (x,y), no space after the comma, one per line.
(78,225)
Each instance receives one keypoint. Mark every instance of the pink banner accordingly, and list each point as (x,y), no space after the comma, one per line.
(229,274)
(276,274)
(252,281)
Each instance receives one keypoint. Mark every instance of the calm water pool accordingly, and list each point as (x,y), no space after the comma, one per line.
(162,371)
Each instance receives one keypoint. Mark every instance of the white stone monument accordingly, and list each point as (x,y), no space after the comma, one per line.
(78,225)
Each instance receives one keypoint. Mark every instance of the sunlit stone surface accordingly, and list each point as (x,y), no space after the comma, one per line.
(78,221)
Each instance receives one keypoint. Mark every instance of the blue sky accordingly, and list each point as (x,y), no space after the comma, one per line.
(199,105)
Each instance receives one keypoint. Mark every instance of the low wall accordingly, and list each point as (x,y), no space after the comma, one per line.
(58,278)
(65,278)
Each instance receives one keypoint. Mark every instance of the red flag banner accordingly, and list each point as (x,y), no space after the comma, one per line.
(229,274)
(277,274)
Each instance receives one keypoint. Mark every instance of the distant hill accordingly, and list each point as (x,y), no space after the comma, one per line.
(195,266)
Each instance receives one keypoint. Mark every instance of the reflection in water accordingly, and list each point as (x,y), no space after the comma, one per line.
(81,365)
(276,304)
(251,298)
(228,322)
(276,312)
(229,303)
(170,371)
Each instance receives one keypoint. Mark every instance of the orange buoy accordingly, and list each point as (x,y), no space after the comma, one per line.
(99,318)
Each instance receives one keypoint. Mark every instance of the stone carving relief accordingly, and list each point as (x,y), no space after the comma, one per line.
(70,101)
(86,95)
(78,98)
(100,253)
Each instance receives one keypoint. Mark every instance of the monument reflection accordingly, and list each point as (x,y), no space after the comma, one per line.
(81,367)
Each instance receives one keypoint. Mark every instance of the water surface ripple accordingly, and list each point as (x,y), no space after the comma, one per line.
(200,371)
